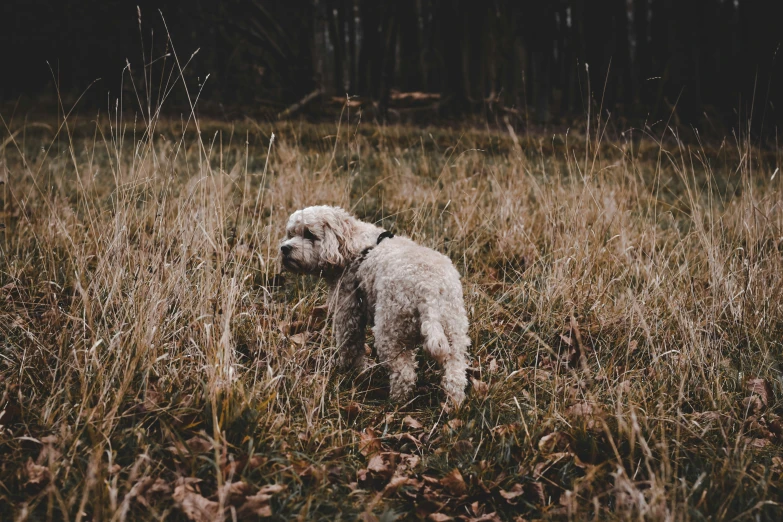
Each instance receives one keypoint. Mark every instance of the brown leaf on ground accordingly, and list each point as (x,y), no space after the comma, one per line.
(408,463)
(439,517)
(412,423)
(505,429)
(454,483)
(587,413)
(36,475)
(576,355)
(300,338)
(553,442)
(152,400)
(195,506)
(493,365)
(198,445)
(516,491)
(320,312)
(752,405)
(762,388)
(461,447)
(239,489)
(757,443)
(535,492)
(775,425)
(455,424)
(258,504)
(369,442)
(480,388)
(777,465)
(352,410)
(378,465)
(430,480)
(146,489)
(406,436)
(489,517)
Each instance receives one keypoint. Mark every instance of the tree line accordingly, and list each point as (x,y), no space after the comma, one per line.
(703,62)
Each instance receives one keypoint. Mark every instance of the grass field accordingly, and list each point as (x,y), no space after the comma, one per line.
(624,295)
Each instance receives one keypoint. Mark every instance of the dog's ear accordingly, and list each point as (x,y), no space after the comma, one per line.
(340,242)
(330,246)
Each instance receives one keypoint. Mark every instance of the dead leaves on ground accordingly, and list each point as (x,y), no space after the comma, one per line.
(236,495)
(762,427)
(458,493)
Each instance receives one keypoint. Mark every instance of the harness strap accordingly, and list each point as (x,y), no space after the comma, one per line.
(385,234)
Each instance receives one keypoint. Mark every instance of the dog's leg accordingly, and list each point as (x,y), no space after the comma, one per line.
(454,378)
(402,375)
(350,324)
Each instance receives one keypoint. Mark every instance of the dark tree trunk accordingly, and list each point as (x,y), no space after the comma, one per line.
(410,46)
(389,57)
(539,23)
(449,49)
(641,66)
(334,14)
(353,68)
(371,51)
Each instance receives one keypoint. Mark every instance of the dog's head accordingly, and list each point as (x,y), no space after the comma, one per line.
(319,239)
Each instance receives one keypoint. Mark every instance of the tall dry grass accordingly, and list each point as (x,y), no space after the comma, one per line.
(624,298)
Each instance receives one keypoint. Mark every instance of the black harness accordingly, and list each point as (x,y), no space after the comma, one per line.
(385,234)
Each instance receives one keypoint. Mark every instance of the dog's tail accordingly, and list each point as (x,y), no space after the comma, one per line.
(435,341)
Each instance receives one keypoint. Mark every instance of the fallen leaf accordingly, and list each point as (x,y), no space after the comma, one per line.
(146,489)
(37,475)
(352,410)
(239,489)
(535,490)
(553,441)
(762,388)
(758,443)
(396,483)
(515,492)
(480,388)
(752,405)
(258,504)
(454,483)
(300,338)
(320,312)
(430,480)
(408,462)
(378,465)
(455,424)
(582,409)
(195,506)
(576,355)
(412,423)
(461,447)
(489,517)
(369,442)
(777,465)
(198,445)
(439,517)
(493,365)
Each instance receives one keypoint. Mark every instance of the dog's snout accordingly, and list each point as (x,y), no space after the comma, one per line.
(286,249)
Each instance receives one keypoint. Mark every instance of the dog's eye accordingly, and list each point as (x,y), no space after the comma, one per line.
(309,235)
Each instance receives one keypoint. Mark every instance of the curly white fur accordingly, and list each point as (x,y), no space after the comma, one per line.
(409,293)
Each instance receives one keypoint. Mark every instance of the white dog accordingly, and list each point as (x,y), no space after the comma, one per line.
(409,293)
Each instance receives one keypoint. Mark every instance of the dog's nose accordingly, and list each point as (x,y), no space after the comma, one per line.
(286,249)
